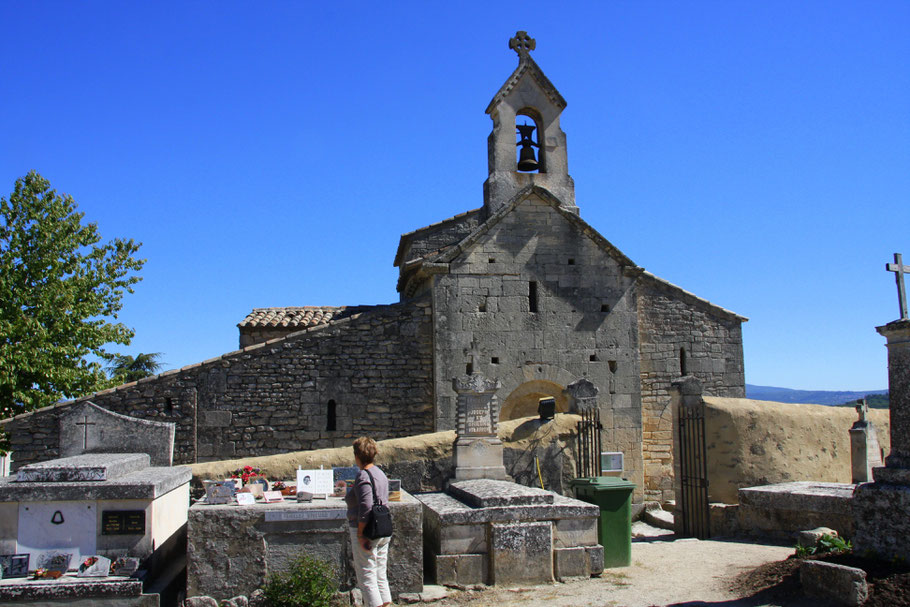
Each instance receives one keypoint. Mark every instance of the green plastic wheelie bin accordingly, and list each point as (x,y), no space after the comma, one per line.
(614,498)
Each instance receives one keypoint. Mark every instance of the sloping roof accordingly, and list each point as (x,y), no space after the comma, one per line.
(296,317)
(410,237)
(527,65)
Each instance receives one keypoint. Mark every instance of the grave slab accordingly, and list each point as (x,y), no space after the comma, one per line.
(489,493)
(82,468)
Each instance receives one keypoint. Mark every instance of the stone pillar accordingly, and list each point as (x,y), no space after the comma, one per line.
(478,450)
(582,396)
(881,509)
(865,452)
(898,335)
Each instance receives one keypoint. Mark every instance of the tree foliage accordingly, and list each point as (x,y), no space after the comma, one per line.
(61,289)
(124,368)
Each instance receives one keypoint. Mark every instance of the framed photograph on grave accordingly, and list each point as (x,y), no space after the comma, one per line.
(317,482)
(14,565)
(245,499)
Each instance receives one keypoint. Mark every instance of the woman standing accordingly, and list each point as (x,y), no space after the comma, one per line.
(370,556)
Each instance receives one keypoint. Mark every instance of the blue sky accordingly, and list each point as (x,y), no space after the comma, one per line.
(756,154)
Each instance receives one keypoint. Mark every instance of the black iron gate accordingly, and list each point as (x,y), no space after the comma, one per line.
(693,471)
(588,463)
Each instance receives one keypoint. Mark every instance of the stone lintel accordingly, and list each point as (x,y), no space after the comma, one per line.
(86,467)
(489,493)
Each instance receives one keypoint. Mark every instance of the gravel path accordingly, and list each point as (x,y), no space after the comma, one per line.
(686,572)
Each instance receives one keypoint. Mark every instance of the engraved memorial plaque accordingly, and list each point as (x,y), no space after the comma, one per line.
(478,421)
(123,522)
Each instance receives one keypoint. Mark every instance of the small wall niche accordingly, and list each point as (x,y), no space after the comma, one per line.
(532,296)
(331,416)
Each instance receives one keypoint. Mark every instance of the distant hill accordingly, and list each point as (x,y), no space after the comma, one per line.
(817,397)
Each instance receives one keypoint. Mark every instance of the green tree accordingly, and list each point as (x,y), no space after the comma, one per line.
(60,290)
(124,368)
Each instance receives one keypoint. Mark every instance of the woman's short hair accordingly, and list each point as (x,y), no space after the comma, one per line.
(365,450)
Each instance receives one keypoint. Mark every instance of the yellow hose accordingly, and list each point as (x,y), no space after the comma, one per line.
(539,476)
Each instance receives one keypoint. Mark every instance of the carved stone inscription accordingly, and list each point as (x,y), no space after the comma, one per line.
(478,420)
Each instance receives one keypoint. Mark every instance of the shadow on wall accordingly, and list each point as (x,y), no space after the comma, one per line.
(425,462)
(751,443)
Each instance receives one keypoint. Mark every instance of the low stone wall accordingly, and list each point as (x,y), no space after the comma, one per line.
(231,550)
(751,443)
(425,462)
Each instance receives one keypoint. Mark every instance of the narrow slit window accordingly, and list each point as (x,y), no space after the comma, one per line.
(604,308)
(593,358)
(483,306)
(532,296)
(331,416)
(682,361)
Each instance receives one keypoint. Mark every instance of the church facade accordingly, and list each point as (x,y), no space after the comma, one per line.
(521,289)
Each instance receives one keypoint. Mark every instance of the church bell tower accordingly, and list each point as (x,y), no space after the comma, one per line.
(526,146)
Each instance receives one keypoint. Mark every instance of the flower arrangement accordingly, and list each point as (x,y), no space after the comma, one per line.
(88,563)
(245,473)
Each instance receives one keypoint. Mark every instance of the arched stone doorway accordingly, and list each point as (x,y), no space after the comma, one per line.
(522,402)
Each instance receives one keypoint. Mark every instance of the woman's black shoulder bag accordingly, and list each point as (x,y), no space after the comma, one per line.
(379,523)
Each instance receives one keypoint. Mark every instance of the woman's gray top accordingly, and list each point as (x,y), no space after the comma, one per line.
(359,497)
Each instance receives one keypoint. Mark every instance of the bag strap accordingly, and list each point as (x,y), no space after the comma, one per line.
(373,487)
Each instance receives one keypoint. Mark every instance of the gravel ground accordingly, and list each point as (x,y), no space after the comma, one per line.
(685,572)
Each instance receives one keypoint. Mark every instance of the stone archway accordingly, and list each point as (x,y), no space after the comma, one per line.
(522,402)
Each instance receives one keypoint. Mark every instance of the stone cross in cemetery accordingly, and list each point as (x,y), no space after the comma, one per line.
(85,424)
(881,509)
(865,452)
(478,450)
(899,270)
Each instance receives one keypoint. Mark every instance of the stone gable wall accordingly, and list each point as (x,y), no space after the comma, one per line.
(585,326)
(436,237)
(273,397)
(713,343)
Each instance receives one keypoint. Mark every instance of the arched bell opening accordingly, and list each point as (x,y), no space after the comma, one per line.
(524,399)
(530,156)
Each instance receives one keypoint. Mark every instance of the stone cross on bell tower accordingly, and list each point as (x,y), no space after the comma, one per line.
(529,104)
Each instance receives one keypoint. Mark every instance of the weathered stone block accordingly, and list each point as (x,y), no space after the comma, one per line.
(571,562)
(596,558)
(216,419)
(839,583)
(575,532)
(460,569)
(463,539)
(521,553)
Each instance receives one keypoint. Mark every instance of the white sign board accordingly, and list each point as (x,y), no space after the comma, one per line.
(317,482)
(57,527)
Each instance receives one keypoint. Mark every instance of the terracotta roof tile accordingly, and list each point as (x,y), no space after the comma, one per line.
(295,317)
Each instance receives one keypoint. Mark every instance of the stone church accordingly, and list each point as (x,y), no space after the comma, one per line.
(521,289)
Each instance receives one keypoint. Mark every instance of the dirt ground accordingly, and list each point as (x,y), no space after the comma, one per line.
(686,572)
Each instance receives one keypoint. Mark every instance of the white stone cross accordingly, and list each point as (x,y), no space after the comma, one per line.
(85,424)
(899,270)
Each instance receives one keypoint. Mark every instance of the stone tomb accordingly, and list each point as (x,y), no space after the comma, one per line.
(111,505)
(488,531)
(232,548)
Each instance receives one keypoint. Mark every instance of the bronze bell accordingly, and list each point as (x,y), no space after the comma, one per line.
(527,160)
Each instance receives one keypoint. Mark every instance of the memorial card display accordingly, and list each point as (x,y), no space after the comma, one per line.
(125,566)
(52,565)
(219,492)
(394,490)
(245,498)
(14,565)
(259,480)
(317,482)
(272,497)
(95,566)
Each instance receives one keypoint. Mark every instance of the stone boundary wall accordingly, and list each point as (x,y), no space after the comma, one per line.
(275,397)
(668,318)
(752,443)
